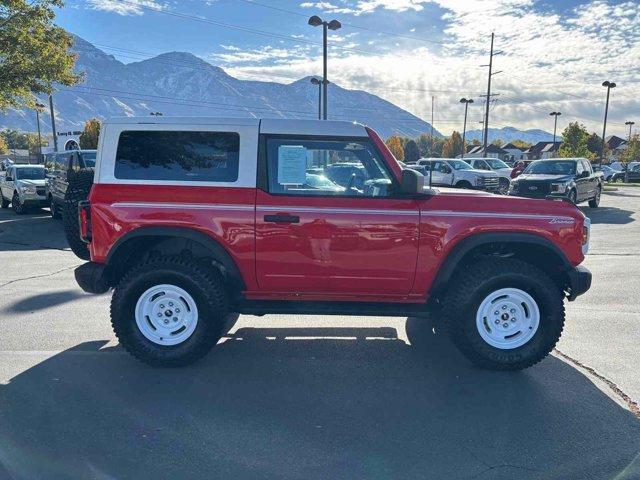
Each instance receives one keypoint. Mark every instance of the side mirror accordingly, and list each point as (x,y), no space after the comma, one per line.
(584,174)
(412,182)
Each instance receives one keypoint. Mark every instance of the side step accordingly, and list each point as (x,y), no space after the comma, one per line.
(264,307)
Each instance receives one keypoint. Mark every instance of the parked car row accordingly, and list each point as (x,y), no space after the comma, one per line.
(27,187)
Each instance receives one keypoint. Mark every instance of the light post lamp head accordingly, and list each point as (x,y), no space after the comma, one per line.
(464,100)
(609,84)
(629,123)
(39,106)
(334,25)
(315,81)
(555,114)
(315,21)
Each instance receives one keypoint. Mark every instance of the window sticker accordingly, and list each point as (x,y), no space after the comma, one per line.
(292,165)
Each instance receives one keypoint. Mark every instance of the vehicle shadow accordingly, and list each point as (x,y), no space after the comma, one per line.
(33,231)
(43,301)
(308,403)
(610,215)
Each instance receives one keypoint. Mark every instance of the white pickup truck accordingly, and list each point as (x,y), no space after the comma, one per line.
(496,165)
(452,172)
(23,186)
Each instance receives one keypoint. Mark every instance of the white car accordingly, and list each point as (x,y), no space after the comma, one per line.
(23,186)
(493,164)
(453,172)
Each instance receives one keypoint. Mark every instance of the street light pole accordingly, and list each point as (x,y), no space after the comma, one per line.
(318,82)
(464,127)
(631,124)
(486,115)
(38,107)
(316,21)
(609,86)
(555,124)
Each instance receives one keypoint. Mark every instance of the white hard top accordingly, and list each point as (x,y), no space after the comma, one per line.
(267,125)
(26,165)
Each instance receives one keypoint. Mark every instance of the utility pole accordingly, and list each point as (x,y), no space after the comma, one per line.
(555,125)
(433,98)
(464,127)
(319,83)
(53,125)
(486,115)
(38,107)
(481,122)
(609,86)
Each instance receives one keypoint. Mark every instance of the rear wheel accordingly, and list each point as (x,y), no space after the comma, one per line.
(504,314)
(168,311)
(463,184)
(5,202)
(573,197)
(595,201)
(55,212)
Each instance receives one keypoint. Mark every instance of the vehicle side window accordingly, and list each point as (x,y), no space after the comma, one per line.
(73,163)
(579,168)
(349,168)
(481,165)
(185,156)
(587,166)
(444,168)
(9,175)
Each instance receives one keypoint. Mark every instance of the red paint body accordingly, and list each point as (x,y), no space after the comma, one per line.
(351,249)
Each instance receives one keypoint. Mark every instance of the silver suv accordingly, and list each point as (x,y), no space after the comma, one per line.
(452,172)
(24,186)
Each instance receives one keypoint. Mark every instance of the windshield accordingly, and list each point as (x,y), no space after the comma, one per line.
(495,163)
(459,165)
(545,167)
(29,173)
(89,159)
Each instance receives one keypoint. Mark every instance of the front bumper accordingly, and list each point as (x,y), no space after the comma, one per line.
(33,199)
(579,281)
(92,277)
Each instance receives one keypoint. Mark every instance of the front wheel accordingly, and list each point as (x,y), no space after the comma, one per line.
(503,187)
(573,197)
(18,206)
(5,202)
(463,184)
(168,311)
(504,314)
(595,201)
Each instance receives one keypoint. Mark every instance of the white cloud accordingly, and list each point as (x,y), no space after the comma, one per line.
(128,7)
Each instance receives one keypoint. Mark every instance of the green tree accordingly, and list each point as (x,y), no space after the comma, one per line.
(394,143)
(498,142)
(594,145)
(411,152)
(452,146)
(4,148)
(34,53)
(89,137)
(521,144)
(632,152)
(574,141)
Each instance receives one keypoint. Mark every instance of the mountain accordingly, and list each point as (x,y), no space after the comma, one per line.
(509,134)
(182,84)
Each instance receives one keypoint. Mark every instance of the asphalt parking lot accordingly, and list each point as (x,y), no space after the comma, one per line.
(295,397)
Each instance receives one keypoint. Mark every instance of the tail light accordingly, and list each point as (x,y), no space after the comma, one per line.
(84,219)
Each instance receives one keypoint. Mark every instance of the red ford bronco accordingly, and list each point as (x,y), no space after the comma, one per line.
(189,219)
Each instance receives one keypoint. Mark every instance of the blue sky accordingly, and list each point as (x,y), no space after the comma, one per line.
(555,53)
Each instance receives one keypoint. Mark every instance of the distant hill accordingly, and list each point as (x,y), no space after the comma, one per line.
(509,134)
(182,84)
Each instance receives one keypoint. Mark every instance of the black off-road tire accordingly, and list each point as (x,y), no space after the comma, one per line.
(5,203)
(595,202)
(203,284)
(471,286)
(55,211)
(463,184)
(17,205)
(78,189)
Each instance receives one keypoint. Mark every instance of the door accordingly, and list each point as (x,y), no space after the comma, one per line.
(7,184)
(592,181)
(582,183)
(315,236)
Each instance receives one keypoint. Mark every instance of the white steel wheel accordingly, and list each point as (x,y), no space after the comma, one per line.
(508,318)
(166,314)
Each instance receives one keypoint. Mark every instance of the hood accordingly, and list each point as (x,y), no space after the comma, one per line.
(464,192)
(37,183)
(538,177)
(479,173)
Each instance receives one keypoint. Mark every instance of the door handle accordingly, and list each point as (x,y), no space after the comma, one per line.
(282,218)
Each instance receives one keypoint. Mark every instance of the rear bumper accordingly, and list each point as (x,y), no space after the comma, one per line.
(579,281)
(92,277)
